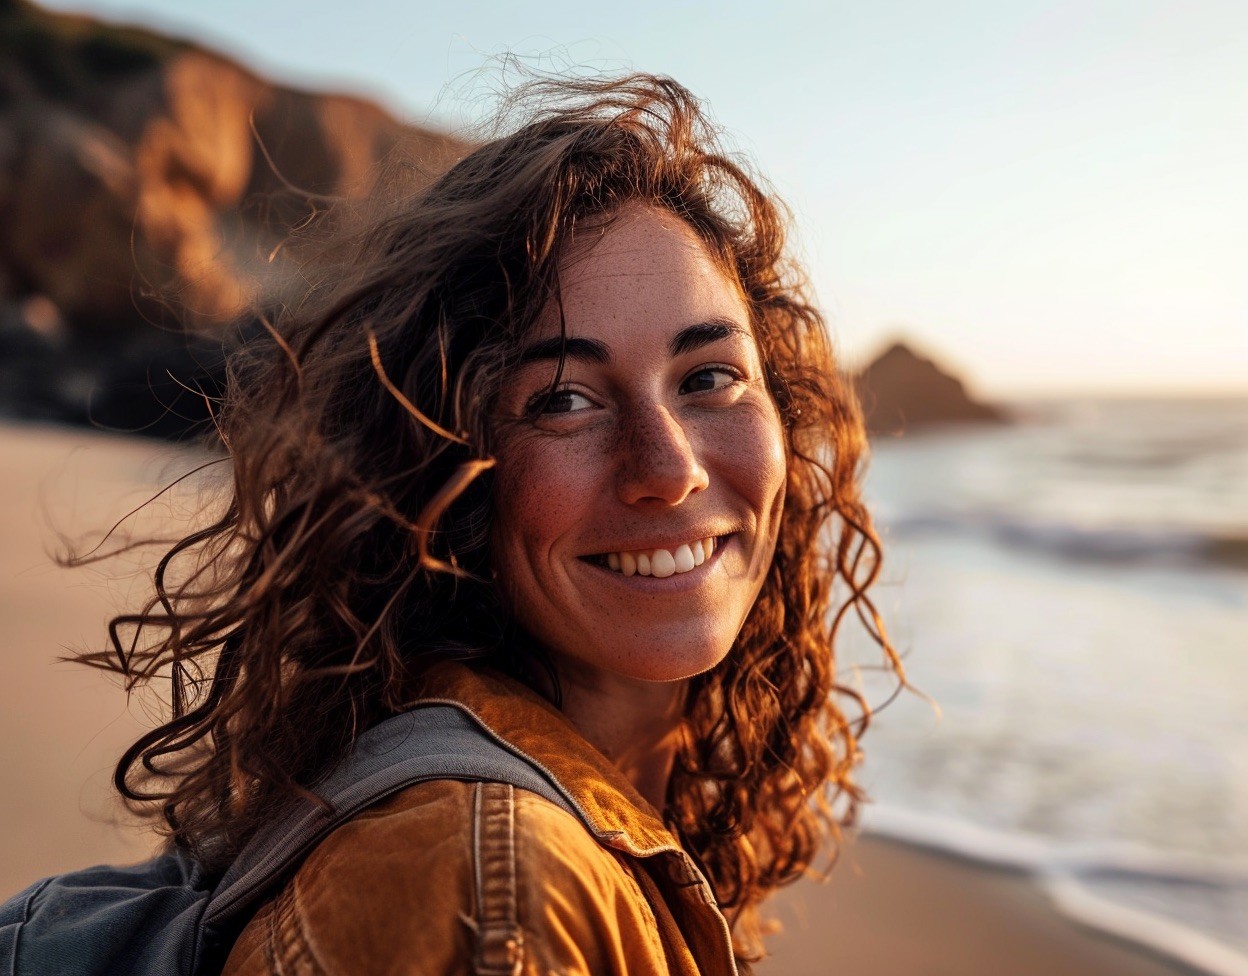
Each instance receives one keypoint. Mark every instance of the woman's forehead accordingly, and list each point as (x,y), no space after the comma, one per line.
(638,234)
(643,271)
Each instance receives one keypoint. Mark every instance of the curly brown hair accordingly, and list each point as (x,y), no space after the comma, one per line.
(354,548)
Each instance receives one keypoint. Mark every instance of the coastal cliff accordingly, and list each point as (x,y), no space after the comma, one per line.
(149,189)
(145,187)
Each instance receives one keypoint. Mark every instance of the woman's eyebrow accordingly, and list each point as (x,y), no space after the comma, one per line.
(586,350)
(599,353)
(696,336)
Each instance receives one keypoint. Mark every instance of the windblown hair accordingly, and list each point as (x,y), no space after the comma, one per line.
(355,546)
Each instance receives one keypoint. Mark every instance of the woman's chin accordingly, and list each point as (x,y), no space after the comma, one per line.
(658,660)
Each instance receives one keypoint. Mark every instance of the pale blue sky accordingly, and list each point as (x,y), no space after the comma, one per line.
(1051,196)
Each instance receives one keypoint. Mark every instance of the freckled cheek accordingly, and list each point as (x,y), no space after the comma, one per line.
(541,494)
(749,454)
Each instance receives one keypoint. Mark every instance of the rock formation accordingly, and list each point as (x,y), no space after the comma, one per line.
(144,185)
(901,390)
(135,190)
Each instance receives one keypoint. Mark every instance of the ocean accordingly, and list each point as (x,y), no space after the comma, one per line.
(1072,593)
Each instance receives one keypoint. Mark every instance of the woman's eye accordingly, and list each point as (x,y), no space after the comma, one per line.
(561,401)
(707,379)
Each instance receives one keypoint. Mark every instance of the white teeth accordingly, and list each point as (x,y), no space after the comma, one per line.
(682,561)
(662,563)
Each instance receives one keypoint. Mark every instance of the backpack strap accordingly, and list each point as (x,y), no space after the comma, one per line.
(436,741)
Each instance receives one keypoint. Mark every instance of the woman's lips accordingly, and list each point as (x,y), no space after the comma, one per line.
(660,562)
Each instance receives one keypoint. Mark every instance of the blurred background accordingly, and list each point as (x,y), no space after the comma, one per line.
(1028,226)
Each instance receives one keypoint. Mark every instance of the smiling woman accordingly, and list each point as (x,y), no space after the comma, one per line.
(560,442)
(663,439)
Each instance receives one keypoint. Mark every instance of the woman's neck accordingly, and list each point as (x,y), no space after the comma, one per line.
(635,724)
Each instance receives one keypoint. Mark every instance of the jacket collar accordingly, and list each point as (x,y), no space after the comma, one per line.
(609,804)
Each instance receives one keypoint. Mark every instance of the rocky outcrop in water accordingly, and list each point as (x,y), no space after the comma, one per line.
(138,210)
(901,390)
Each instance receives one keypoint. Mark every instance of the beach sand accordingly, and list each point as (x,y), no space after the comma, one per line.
(892,909)
(889,910)
(62,726)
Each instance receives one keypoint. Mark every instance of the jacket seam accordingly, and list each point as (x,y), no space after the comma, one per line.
(302,933)
(270,944)
(499,947)
(276,937)
(289,928)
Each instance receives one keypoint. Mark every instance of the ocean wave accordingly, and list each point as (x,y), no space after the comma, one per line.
(1068,872)
(1028,852)
(1123,455)
(1161,935)
(1099,545)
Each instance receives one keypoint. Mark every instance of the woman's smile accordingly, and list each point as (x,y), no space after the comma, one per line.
(660,561)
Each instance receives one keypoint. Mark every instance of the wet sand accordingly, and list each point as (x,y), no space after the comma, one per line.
(890,909)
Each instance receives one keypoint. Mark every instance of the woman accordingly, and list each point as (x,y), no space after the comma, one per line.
(561,440)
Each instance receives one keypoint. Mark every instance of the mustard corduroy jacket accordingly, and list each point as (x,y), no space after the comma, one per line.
(451,877)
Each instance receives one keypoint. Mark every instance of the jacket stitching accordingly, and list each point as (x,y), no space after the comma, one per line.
(499,941)
(297,949)
(268,946)
(275,936)
(305,942)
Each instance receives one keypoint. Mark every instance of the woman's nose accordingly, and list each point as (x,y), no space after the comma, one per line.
(658,460)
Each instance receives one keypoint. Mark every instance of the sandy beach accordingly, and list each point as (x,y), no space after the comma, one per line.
(890,909)
(62,726)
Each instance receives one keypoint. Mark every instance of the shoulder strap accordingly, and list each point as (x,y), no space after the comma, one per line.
(439,741)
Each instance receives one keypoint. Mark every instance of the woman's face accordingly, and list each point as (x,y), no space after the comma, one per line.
(661,434)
